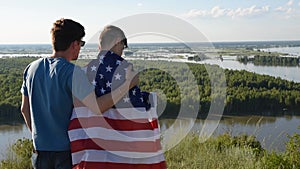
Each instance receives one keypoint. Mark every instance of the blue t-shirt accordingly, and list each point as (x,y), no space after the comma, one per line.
(50,84)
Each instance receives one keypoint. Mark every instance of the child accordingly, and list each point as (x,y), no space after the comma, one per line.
(126,136)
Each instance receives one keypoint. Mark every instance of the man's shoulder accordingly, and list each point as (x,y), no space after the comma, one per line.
(37,61)
(34,64)
(60,64)
(51,63)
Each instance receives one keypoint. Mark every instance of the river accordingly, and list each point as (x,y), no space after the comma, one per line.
(284,72)
(9,133)
(270,131)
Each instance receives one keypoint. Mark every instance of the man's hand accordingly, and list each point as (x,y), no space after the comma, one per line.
(105,102)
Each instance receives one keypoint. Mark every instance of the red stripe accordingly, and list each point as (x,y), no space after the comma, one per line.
(112,145)
(107,165)
(122,125)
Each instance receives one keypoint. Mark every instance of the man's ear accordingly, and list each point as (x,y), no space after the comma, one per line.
(73,44)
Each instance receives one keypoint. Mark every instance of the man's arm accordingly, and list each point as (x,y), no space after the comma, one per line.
(25,110)
(105,102)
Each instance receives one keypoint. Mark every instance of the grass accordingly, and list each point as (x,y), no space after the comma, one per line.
(227,152)
(221,152)
(18,155)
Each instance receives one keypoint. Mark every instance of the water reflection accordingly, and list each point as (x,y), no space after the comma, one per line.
(16,128)
(9,134)
(174,130)
(248,120)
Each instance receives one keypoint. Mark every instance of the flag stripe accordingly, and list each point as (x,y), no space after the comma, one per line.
(110,134)
(119,138)
(107,165)
(117,157)
(113,145)
(121,125)
(124,113)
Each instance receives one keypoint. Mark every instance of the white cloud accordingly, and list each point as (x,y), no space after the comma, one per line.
(290,3)
(139,4)
(299,3)
(289,11)
(217,11)
(280,9)
(284,10)
(195,13)
(253,10)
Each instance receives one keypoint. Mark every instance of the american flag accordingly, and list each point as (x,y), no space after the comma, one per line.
(124,137)
(108,72)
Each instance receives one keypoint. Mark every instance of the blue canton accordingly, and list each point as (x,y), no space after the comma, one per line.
(108,72)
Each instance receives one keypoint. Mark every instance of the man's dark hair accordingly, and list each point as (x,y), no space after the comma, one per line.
(64,32)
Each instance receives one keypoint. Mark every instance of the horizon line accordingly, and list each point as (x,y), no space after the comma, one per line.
(221,41)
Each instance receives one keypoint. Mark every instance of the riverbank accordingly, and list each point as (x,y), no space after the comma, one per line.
(222,152)
(270,131)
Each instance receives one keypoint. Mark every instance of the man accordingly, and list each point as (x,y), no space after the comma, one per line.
(49,85)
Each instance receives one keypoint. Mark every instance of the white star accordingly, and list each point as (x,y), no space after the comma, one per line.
(126,99)
(101,57)
(102,90)
(101,76)
(108,84)
(94,82)
(118,62)
(142,100)
(108,68)
(133,92)
(93,68)
(118,76)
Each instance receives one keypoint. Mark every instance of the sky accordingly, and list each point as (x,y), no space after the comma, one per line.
(30,21)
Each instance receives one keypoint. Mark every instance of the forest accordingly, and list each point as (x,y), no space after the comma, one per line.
(246,93)
(265,60)
(11,71)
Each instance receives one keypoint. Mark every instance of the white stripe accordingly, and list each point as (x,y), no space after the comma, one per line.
(121,113)
(111,134)
(154,101)
(117,157)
